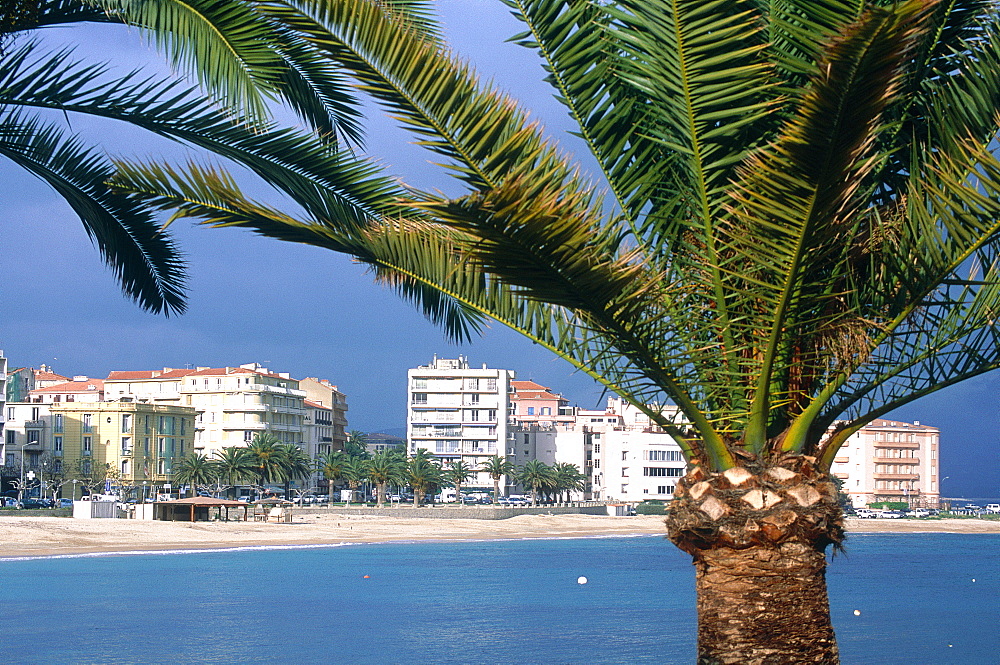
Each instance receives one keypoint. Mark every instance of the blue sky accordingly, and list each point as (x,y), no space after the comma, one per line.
(311,312)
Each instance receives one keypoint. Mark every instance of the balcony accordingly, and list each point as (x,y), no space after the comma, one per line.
(896,444)
(34,424)
(897,476)
(897,460)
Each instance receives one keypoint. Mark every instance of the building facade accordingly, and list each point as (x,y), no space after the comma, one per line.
(889,460)
(457,412)
(233,403)
(324,393)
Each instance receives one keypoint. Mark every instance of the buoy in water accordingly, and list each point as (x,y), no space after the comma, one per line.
(581,580)
(367,576)
(857,613)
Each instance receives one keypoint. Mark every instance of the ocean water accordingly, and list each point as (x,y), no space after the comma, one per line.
(923,598)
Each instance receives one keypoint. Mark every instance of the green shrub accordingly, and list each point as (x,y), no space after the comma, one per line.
(890,505)
(651,508)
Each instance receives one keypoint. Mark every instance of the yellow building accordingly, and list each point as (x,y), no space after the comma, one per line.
(138,441)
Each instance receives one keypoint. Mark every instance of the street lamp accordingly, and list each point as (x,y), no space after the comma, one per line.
(20,489)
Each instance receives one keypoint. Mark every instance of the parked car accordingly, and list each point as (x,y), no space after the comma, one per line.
(921,512)
(9,502)
(890,514)
(866,513)
(992,508)
(65,503)
(33,502)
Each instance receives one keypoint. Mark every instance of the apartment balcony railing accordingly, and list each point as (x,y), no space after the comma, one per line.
(896,444)
(34,424)
(897,460)
(897,476)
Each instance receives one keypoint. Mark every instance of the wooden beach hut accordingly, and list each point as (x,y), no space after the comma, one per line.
(197,508)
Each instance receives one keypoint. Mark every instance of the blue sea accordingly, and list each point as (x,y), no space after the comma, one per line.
(923,599)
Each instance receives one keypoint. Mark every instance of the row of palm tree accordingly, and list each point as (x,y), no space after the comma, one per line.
(425,475)
(266,460)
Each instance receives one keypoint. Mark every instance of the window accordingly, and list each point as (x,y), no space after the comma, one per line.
(183,425)
(182,447)
(420,398)
(420,384)
(546,411)
(126,422)
(597,464)
(597,448)
(491,385)
(10,413)
(126,445)
(145,446)
(57,444)
(624,455)
(248,436)
(57,422)
(11,437)
(33,436)
(34,413)
(57,466)
(87,445)
(474,398)
(86,467)
(88,422)
(661,489)
(661,471)
(531,410)
(162,445)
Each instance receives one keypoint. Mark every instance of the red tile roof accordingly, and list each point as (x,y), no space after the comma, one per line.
(316,405)
(73,387)
(49,376)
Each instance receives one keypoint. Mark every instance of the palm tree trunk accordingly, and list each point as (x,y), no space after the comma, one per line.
(496,490)
(758,542)
(329,492)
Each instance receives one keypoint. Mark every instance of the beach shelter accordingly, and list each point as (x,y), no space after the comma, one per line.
(272,510)
(196,507)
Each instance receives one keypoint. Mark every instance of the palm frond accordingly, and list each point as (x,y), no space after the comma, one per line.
(140,254)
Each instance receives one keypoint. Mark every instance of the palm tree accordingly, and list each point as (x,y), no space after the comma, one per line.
(234,466)
(355,472)
(537,475)
(496,468)
(356,444)
(457,473)
(331,465)
(296,465)
(385,468)
(568,479)
(268,455)
(424,475)
(799,234)
(243,55)
(195,469)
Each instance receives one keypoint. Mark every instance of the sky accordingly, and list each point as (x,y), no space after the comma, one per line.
(311,312)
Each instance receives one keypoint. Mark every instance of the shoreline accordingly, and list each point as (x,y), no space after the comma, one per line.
(43,537)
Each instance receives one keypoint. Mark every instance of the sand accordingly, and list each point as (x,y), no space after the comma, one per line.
(47,536)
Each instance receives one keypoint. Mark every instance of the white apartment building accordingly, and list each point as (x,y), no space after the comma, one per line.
(457,412)
(622,454)
(889,460)
(233,403)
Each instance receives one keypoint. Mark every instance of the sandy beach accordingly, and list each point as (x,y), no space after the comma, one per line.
(46,536)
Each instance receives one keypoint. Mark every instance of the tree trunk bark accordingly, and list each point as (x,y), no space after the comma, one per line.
(757,536)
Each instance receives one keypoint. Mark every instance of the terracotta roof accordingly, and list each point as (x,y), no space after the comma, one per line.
(204,501)
(317,405)
(127,375)
(528,386)
(73,387)
(49,376)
